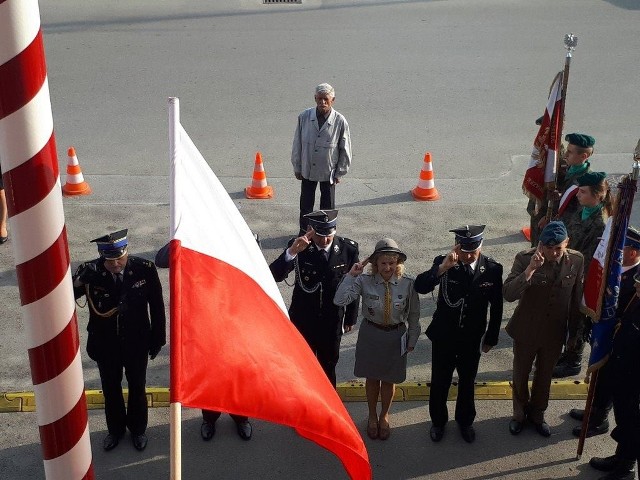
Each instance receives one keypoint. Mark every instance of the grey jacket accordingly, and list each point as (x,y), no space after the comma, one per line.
(321,154)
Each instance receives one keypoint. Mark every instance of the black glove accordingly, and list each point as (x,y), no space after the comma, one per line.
(86,272)
(154,351)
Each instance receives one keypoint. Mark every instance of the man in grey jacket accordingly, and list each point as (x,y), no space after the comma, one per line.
(321,152)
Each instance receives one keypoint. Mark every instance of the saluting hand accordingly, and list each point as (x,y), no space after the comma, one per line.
(358,268)
(450,260)
(301,243)
(537,260)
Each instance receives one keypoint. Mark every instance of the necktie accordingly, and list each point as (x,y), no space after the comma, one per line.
(118,281)
(387,304)
(469,271)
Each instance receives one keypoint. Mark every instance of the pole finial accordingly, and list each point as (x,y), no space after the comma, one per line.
(570,42)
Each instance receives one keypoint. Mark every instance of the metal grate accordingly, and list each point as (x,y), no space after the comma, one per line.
(281,1)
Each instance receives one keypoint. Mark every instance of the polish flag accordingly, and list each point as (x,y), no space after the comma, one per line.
(233,347)
(542,165)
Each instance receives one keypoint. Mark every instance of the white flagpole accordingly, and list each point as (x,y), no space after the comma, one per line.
(175,418)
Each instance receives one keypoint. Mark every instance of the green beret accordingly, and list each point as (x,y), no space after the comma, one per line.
(580,140)
(591,178)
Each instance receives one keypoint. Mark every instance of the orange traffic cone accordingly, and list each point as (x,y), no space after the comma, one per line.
(526,231)
(75,184)
(258,187)
(426,189)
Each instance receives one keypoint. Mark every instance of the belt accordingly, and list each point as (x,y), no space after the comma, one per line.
(386,328)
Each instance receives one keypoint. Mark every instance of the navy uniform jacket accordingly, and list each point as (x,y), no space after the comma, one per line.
(312,309)
(461,312)
(140,324)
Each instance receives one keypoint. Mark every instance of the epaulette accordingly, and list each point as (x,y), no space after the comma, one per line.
(350,242)
(141,261)
(491,260)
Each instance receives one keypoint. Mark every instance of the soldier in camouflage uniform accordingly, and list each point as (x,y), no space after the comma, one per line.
(585,226)
(575,162)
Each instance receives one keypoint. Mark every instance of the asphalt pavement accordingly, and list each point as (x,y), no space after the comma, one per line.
(462,79)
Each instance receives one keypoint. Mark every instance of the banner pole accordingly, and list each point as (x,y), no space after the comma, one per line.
(175,421)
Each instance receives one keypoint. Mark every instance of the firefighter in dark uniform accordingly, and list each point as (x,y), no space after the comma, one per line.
(602,399)
(126,328)
(625,386)
(319,258)
(469,282)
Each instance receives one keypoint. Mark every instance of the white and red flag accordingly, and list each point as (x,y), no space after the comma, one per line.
(233,347)
(542,165)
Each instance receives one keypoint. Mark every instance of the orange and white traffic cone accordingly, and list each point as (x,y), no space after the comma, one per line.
(426,189)
(258,187)
(75,184)
(526,231)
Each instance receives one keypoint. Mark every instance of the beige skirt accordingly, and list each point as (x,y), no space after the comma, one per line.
(378,354)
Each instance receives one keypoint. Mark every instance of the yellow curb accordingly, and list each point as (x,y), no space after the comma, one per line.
(352,391)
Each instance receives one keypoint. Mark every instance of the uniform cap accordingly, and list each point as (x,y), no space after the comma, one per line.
(580,140)
(553,233)
(387,245)
(113,245)
(469,237)
(633,238)
(323,221)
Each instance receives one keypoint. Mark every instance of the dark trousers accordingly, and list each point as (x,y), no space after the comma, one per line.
(135,415)
(445,359)
(626,399)
(308,199)
(326,350)
(603,396)
(211,416)
(545,356)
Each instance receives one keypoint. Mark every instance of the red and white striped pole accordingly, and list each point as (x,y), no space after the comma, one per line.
(39,240)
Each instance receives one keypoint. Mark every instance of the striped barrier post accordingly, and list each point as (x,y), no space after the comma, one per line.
(39,242)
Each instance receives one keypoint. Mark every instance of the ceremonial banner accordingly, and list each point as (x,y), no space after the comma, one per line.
(542,165)
(233,347)
(602,284)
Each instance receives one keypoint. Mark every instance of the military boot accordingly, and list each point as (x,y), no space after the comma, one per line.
(624,471)
(618,467)
(570,363)
(598,422)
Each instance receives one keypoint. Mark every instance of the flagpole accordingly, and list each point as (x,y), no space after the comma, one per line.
(175,418)
(570,42)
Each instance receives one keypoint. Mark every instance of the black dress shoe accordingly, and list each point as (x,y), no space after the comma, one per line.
(207,430)
(436,433)
(139,441)
(593,430)
(468,433)
(110,442)
(543,429)
(3,240)
(245,430)
(576,413)
(605,464)
(620,475)
(562,370)
(515,427)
